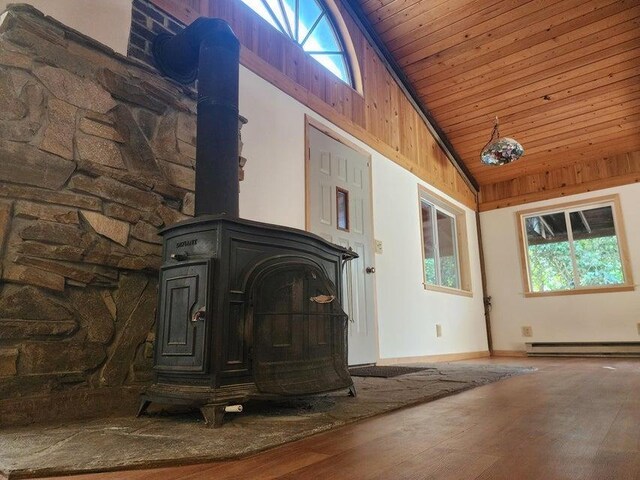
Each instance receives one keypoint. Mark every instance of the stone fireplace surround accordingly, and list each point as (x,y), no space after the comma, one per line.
(96,154)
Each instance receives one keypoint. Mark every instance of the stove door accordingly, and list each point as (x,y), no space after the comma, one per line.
(300,333)
(183,317)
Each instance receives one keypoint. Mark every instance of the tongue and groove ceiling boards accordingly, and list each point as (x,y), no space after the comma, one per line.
(563,77)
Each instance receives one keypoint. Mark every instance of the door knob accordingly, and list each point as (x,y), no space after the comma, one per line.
(370,270)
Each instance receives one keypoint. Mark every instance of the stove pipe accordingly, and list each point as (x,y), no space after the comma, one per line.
(209,51)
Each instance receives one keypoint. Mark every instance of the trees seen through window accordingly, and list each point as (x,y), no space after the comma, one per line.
(445,250)
(573,248)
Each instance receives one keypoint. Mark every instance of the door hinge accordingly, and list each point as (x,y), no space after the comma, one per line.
(487,303)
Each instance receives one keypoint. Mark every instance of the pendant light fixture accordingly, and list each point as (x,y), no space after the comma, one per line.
(500,150)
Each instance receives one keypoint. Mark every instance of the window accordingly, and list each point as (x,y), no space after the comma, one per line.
(444,245)
(574,248)
(309,24)
(342,209)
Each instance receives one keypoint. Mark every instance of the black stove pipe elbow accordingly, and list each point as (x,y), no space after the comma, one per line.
(209,51)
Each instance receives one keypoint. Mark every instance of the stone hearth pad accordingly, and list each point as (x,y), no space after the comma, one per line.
(181,438)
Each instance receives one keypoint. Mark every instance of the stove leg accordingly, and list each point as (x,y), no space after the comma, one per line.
(144,404)
(213,414)
(352,391)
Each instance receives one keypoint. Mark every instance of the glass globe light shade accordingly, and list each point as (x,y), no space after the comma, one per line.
(501,151)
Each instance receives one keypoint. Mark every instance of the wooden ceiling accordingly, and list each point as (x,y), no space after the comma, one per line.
(563,76)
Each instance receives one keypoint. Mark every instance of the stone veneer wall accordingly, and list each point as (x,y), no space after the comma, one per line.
(96,154)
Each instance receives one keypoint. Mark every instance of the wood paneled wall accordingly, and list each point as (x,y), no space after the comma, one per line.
(381,116)
(580,177)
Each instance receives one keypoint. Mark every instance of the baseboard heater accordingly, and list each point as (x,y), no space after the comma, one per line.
(583,349)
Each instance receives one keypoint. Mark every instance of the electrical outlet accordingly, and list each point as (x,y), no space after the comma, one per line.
(379,247)
(527,332)
(438,330)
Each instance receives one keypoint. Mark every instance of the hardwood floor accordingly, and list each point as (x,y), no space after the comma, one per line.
(572,419)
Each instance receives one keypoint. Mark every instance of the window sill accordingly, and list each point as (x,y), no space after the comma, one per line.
(582,291)
(453,291)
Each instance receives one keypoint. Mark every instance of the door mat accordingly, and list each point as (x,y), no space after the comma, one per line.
(162,439)
(383,371)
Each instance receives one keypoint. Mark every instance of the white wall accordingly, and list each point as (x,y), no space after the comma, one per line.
(107,21)
(274,191)
(588,317)
(407,312)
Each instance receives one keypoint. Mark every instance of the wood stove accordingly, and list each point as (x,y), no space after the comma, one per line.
(245,308)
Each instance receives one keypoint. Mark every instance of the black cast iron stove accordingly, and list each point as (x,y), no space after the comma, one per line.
(245,309)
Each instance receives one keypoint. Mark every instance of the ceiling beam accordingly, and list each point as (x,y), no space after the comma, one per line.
(584,221)
(358,15)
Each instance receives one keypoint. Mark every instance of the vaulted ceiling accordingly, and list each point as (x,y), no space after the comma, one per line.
(563,76)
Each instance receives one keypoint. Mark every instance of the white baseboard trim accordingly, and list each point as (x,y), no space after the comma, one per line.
(508,353)
(447,357)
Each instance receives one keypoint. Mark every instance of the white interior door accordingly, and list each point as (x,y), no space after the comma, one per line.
(340,211)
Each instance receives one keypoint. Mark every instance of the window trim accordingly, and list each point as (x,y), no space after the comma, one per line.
(611,200)
(461,242)
(357,82)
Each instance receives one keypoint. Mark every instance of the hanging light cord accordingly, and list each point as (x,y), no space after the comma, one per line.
(494,135)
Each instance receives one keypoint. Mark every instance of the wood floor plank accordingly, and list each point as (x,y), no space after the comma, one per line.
(364,462)
(439,464)
(261,467)
(624,433)
(258,467)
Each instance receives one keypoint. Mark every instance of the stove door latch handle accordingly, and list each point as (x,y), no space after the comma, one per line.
(323,298)
(199,315)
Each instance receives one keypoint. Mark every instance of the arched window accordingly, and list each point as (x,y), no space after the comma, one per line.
(309,24)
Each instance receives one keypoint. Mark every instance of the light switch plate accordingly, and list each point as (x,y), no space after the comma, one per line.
(379,247)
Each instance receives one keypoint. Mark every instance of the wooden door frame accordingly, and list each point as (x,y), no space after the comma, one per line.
(310,122)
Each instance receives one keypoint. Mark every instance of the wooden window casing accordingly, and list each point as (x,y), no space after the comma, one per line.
(567,208)
(460,243)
